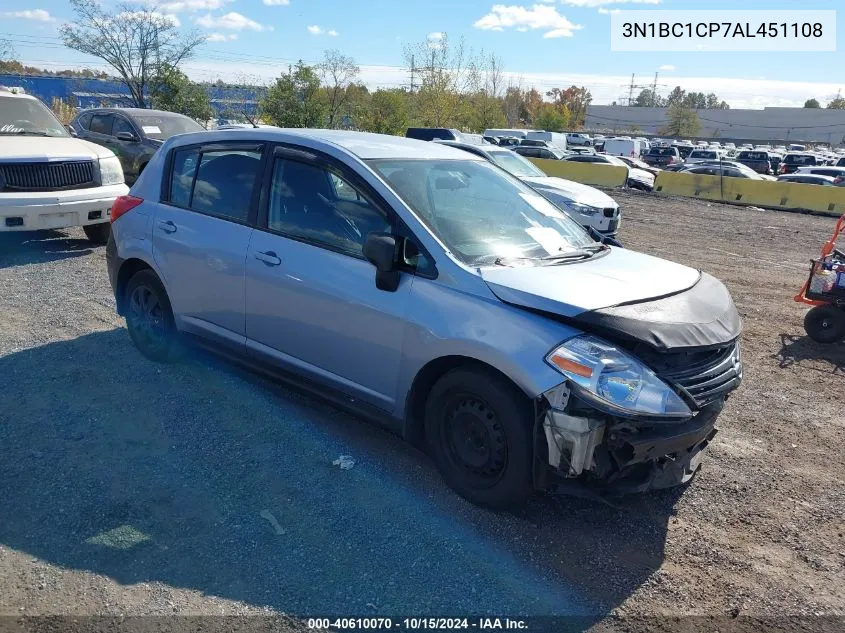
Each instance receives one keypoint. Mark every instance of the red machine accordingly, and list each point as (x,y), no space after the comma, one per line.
(825,291)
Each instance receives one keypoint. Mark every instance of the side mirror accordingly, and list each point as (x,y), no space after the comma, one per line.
(71,131)
(381,250)
(126,136)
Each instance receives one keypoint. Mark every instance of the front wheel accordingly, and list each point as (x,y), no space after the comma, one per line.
(98,233)
(149,317)
(478,429)
(825,324)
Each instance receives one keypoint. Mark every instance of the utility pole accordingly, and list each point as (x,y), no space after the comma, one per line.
(413,68)
(631,91)
(654,92)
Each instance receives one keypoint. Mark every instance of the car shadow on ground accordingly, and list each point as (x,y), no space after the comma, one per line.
(18,248)
(202,476)
(796,349)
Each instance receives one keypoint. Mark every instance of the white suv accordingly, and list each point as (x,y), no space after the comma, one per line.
(48,179)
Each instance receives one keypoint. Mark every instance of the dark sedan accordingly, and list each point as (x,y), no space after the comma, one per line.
(134,134)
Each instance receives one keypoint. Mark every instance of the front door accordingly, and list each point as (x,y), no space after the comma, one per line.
(200,237)
(312,305)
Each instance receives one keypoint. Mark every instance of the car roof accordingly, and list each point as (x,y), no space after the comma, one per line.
(364,145)
(7,93)
(804,174)
(132,112)
(474,147)
(809,168)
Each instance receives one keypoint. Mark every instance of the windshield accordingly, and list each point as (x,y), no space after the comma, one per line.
(162,127)
(662,151)
(515,164)
(28,117)
(754,155)
(614,160)
(482,215)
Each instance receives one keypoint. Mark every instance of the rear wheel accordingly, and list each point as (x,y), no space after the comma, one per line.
(149,317)
(98,233)
(478,429)
(825,324)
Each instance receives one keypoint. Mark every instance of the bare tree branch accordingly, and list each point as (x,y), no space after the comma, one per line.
(136,41)
(337,73)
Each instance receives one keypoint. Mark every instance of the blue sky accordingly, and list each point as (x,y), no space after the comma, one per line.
(538,41)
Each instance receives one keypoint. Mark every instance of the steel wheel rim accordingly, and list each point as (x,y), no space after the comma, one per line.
(474,440)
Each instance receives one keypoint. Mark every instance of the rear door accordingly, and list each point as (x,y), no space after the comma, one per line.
(201,232)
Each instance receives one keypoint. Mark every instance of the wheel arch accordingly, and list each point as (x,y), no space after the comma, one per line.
(127,270)
(424,381)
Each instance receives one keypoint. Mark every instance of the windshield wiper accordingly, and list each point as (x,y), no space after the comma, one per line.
(581,253)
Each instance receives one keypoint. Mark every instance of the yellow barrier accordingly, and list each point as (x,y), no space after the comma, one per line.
(760,193)
(587,173)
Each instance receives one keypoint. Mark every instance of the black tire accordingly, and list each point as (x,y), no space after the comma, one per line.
(479,433)
(98,233)
(825,324)
(149,317)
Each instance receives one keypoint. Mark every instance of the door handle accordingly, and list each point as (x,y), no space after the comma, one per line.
(268,257)
(167,227)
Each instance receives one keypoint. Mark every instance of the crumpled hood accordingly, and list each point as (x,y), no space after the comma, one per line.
(43,148)
(574,191)
(620,276)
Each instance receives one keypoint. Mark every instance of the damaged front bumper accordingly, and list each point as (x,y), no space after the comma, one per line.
(613,454)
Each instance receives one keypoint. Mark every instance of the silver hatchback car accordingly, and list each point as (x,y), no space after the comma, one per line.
(431,290)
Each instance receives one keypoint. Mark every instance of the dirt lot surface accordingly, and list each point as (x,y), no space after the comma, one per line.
(128,487)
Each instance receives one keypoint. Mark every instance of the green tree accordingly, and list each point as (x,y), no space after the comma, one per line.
(137,42)
(172,90)
(682,121)
(677,95)
(552,119)
(387,112)
(648,99)
(295,100)
(812,103)
(837,104)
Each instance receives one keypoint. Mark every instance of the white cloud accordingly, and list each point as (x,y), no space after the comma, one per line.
(319,30)
(592,4)
(190,6)
(604,11)
(39,15)
(437,36)
(222,37)
(232,22)
(667,67)
(276,3)
(538,17)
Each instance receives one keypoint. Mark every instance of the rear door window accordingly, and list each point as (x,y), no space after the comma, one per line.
(101,124)
(217,182)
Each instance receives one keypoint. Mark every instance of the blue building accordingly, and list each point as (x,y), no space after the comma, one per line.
(91,93)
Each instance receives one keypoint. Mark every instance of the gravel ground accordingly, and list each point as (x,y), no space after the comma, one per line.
(131,488)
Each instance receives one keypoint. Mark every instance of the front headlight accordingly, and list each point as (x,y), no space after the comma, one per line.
(577,207)
(615,381)
(111,173)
